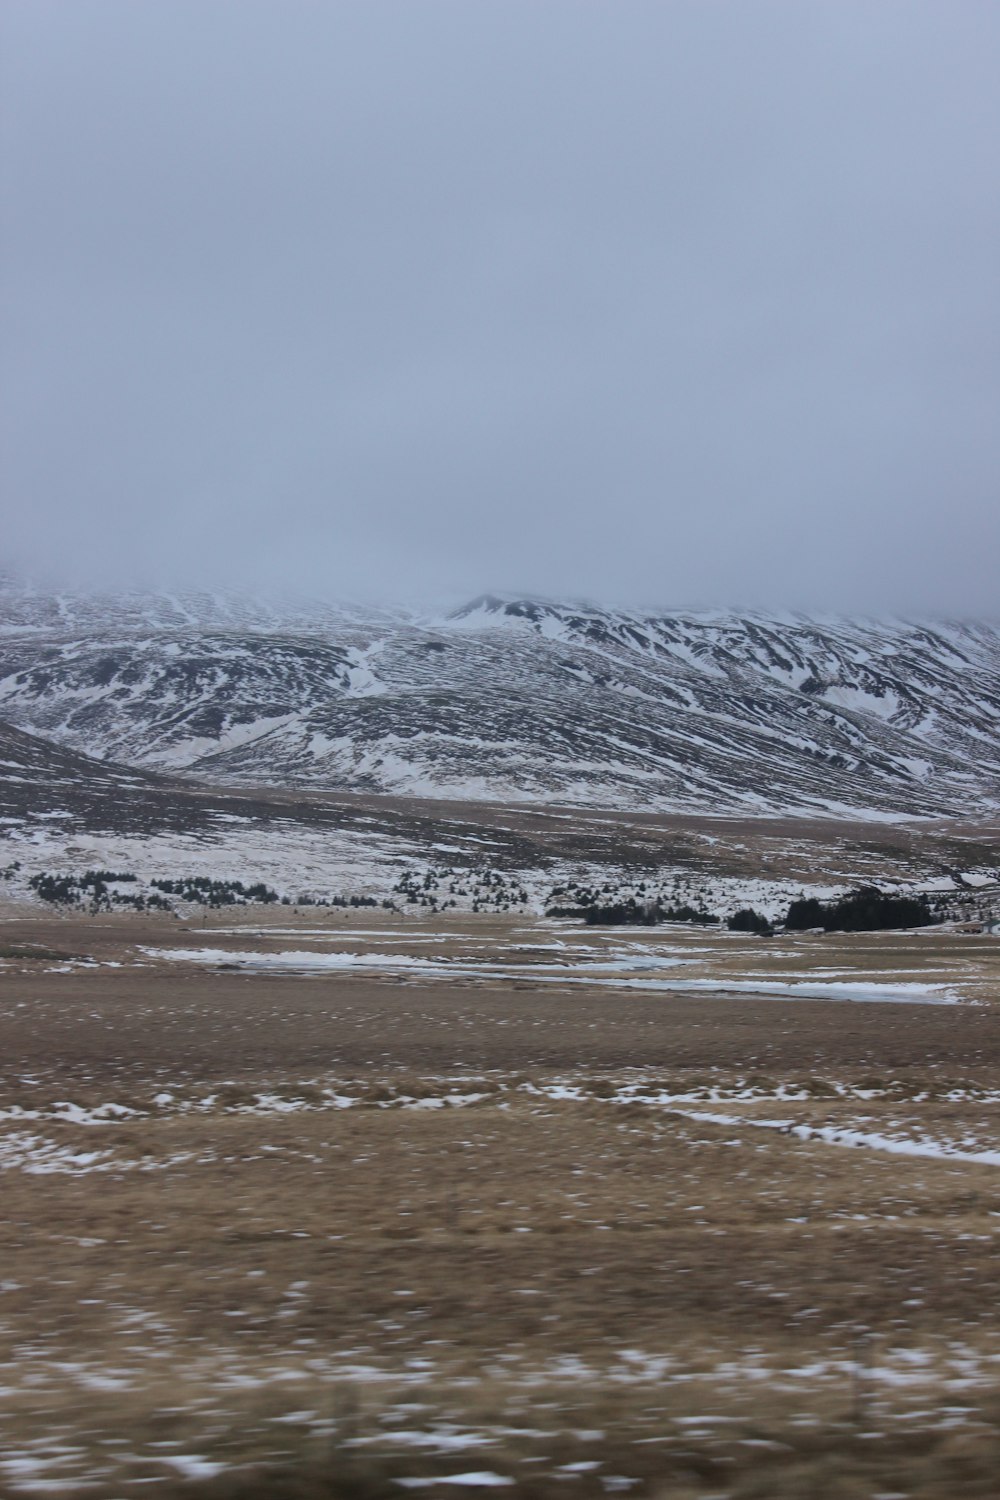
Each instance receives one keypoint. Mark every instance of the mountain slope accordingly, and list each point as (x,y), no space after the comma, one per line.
(520,700)
(46,785)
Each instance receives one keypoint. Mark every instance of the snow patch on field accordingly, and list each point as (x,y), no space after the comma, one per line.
(836,1135)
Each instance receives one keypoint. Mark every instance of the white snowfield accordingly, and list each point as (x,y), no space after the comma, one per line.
(294,858)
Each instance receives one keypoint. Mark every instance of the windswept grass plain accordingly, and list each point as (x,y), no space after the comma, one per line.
(495,1225)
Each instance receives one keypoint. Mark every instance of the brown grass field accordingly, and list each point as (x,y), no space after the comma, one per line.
(371,1230)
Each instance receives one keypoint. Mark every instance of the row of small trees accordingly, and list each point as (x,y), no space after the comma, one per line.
(866,909)
(97,889)
(643,914)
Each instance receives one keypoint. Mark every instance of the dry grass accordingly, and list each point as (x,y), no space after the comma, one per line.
(323,1300)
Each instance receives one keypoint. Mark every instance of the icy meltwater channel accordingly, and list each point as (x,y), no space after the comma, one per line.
(647,971)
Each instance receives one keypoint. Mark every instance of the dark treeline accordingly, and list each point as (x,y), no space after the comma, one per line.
(866,909)
(208,892)
(633,913)
(93,887)
(96,889)
(748,920)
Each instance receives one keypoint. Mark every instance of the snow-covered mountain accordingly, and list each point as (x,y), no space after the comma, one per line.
(518,700)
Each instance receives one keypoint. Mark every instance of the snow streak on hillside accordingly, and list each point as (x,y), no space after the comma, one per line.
(519,701)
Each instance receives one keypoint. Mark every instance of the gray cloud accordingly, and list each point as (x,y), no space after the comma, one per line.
(409,298)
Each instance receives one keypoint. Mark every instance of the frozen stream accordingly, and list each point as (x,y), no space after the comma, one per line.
(648,972)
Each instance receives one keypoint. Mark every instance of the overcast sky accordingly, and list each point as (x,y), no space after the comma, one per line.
(667,302)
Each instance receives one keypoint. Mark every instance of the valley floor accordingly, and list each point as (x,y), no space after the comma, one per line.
(300,1205)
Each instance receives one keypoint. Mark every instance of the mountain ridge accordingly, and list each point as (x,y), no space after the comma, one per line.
(517,699)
